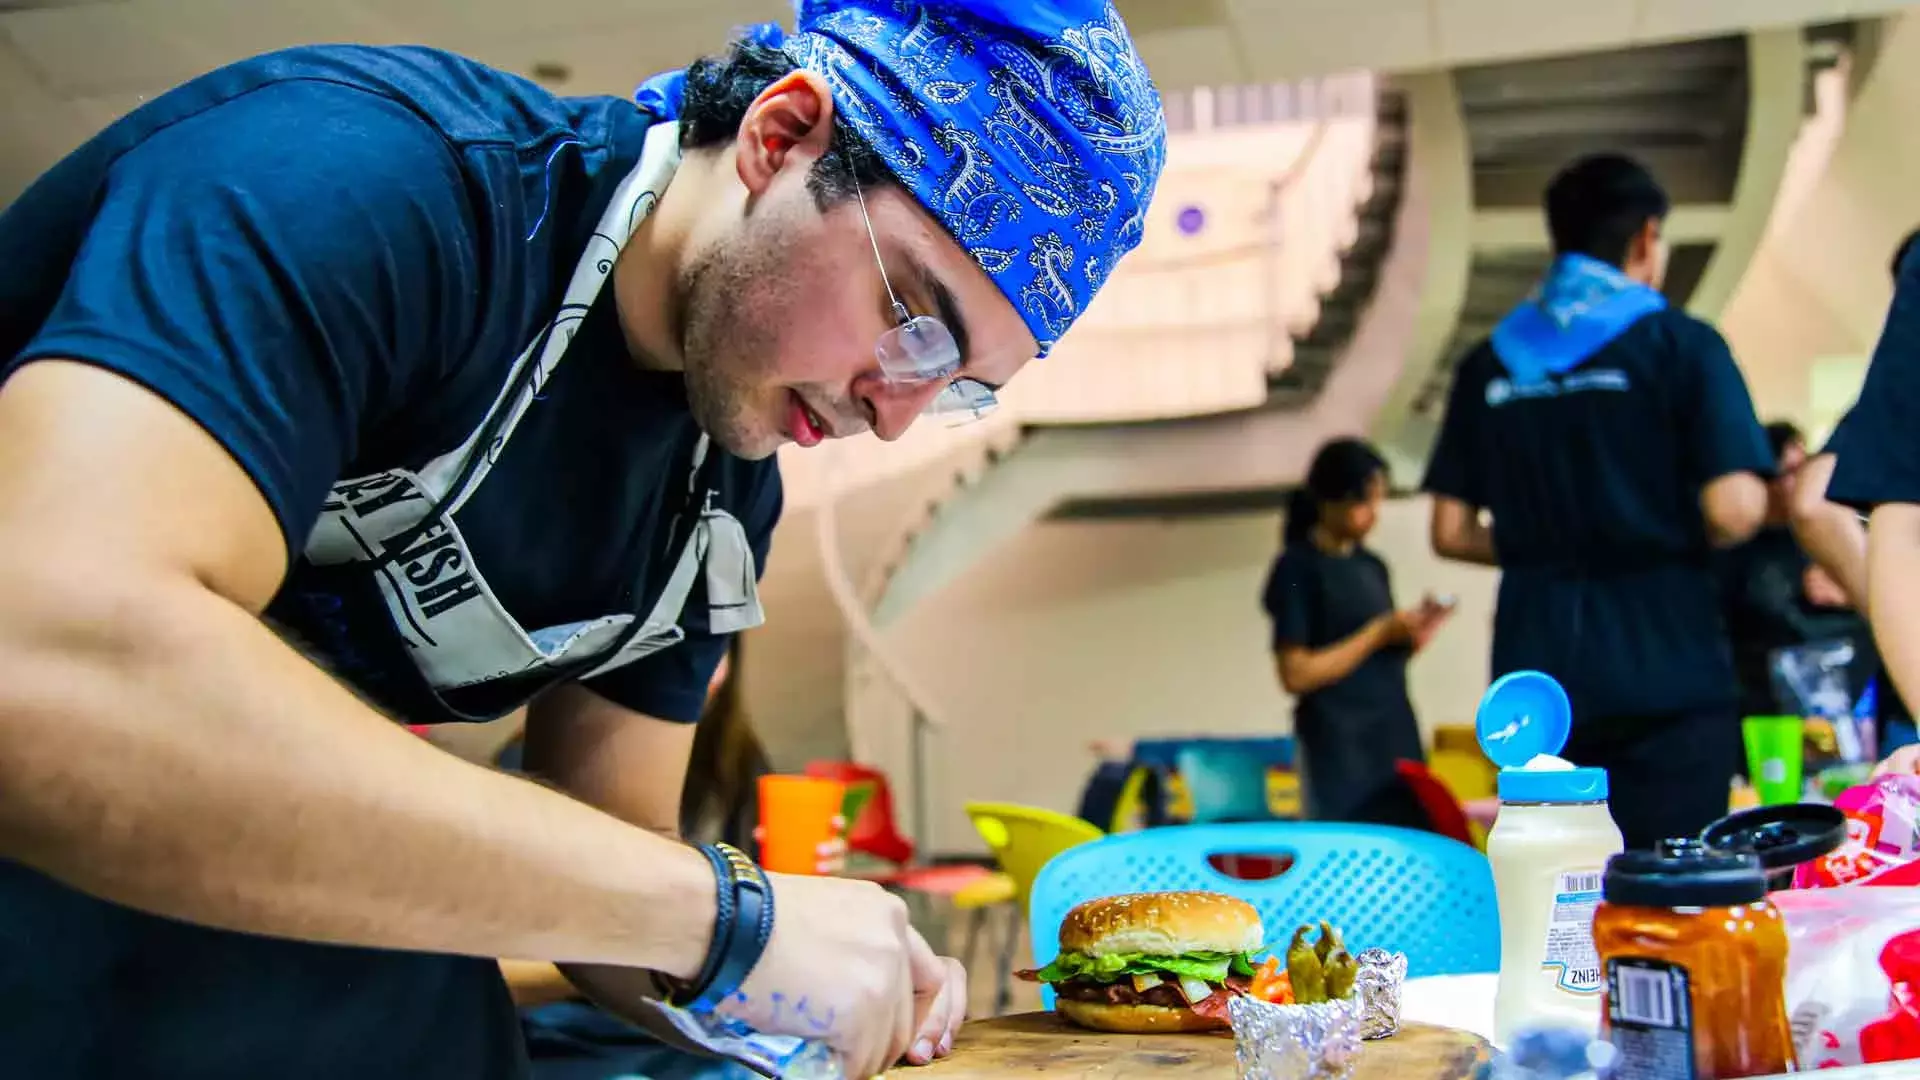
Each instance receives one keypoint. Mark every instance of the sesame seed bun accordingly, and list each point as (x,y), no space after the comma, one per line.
(1162,924)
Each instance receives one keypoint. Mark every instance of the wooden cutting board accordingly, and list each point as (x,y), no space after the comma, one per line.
(1042,1042)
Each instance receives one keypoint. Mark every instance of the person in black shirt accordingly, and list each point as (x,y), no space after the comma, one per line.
(1341,647)
(1597,448)
(1776,597)
(1877,469)
(347,387)
(1835,536)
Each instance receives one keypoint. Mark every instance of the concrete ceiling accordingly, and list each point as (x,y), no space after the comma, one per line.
(68,67)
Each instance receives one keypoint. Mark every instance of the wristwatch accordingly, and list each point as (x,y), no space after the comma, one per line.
(742,924)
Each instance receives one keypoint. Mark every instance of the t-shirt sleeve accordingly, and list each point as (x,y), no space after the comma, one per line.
(1452,471)
(1289,601)
(1838,437)
(1878,459)
(672,683)
(279,267)
(1720,433)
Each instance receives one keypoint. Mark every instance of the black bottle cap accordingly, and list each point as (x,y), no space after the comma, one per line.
(1782,836)
(1684,873)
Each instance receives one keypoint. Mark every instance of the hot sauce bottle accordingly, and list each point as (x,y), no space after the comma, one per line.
(1695,963)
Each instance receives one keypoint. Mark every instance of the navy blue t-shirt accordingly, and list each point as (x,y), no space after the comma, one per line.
(1593,479)
(329,258)
(1876,446)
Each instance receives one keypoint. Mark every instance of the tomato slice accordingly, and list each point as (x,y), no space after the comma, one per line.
(1271,984)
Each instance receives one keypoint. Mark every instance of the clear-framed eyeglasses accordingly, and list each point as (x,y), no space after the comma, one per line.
(921,350)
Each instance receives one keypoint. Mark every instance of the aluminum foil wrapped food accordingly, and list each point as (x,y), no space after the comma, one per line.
(1377,987)
(1295,1042)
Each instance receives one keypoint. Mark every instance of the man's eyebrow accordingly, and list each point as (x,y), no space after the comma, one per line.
(949,310)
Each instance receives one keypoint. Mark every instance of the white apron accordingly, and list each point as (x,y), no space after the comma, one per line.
(397,528)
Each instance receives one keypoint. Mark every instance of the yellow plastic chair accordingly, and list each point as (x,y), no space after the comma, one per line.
(1023,839)
(1469,776)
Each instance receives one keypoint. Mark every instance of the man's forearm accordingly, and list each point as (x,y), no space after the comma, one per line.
(1836,541)
(161,749)
(1462,532)
(1473,543)
(1832,535)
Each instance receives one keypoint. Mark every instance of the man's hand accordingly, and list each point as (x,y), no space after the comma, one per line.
(1821,590)
(939,1003)
(843,965)
(1428,619)
(1901,762)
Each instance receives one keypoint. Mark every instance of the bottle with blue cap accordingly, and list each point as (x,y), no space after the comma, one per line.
(1549,849)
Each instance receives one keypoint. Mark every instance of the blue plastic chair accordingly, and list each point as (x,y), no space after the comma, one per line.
(1399,889)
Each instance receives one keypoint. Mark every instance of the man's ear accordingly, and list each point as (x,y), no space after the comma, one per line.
(1643,253)
(790,122)
(1646,243)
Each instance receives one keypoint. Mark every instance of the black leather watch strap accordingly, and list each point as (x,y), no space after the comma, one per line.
(742,925)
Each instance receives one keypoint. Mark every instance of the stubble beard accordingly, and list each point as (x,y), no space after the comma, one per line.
(715,342)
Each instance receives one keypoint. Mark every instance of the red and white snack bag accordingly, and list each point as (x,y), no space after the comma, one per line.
(1883,838)
(1853,975)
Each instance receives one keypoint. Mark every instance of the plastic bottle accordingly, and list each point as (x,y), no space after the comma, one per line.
(1548,849)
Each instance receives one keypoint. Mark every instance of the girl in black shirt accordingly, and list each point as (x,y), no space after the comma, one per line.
(1341,648)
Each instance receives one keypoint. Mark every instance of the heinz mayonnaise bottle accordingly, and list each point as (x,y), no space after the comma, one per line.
(1548,848)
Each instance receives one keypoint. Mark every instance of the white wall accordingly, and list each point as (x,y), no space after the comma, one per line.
(1075,631)
(1818,286)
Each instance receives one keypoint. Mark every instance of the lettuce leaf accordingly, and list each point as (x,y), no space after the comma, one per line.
(1207,966)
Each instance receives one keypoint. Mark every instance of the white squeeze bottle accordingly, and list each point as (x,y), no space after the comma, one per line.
(1548,849)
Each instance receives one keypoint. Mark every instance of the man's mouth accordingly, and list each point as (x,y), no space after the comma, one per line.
(807,427)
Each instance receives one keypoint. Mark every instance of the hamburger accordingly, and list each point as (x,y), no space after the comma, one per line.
(1153,962)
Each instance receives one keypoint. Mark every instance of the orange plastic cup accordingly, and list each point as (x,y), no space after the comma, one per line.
(798,814)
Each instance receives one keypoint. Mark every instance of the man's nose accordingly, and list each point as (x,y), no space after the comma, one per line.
(894,406)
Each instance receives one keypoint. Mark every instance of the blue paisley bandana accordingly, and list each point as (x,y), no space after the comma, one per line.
(1030,130)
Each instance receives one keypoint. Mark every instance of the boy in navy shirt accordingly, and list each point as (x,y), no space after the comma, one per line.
(351,385)
(1597,448)
(1834,534)
(1875,457)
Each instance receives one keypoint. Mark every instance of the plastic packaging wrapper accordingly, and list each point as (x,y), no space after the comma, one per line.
(1883,838)
(746,1052)
(1377,987)
(1813,679)
(1819,681)
(1853,975)
(1553,1053)
(1295,1042)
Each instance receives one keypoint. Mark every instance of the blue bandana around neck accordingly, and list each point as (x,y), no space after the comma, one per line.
(1031,131)
(1580,306)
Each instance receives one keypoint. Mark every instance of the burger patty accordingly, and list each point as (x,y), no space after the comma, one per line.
(1166,994)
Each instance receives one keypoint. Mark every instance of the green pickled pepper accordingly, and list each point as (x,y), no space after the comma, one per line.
(1304,970)
(1341,971)
(1329,941)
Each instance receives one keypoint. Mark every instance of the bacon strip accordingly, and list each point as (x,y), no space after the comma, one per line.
(1166,994)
